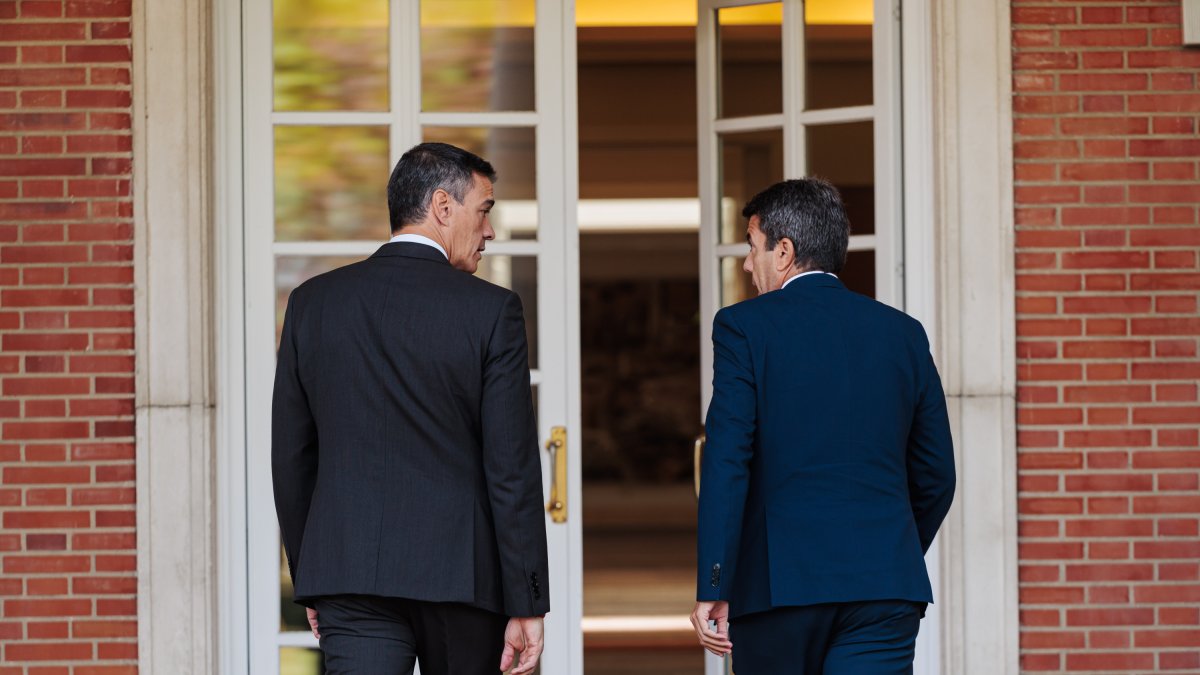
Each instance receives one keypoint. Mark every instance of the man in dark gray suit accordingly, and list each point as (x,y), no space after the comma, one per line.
(404,449)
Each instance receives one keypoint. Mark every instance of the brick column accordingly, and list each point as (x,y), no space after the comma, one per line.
(1106,109)
(66,333)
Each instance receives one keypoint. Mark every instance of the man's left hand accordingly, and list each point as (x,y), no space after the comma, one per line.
(312,621)
(715,641)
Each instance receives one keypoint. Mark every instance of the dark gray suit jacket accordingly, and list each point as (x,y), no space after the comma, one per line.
(404,450)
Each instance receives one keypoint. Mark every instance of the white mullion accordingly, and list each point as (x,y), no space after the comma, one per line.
(404,76)
(262,550)
(302,639)
(863,242)
(858,113)
(330,119)
(734,125)
(479,119)
(709,174)
(794,154)
(737,250)
(888,160)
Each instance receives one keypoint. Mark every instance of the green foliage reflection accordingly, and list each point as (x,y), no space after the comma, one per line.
(331,55)
(331,183)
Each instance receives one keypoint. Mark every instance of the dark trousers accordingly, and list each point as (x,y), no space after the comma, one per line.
(851,638)
(367,635)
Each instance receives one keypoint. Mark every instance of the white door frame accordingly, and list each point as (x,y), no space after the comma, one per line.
(888,239)
(252,630)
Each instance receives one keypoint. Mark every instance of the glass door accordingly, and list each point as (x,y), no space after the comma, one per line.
(333,94)
(829,107)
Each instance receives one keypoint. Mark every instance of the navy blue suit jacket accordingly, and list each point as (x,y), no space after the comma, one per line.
(829,464)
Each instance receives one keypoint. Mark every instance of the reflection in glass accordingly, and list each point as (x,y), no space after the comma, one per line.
(331,55)
(331,183)
(291,271)
(512,151)
(750,162)
(477,55)
(844,154)
(750,60)
(859,273)
(736,285)
(837,65)
(301,660)
(519,274)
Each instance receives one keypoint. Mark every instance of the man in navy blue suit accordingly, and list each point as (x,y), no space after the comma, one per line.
(829,464)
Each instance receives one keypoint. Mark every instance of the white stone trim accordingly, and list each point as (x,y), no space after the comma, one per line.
(974,329)
(173,331)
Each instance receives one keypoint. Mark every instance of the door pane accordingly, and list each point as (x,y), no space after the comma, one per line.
(301,660)
(331,183)
(859,273)
(838,54)
(750,162)
(331,55)
(519,274)
(292,617)
(477,55)
(736,285)
(750,60)
(844,154)
(512,151)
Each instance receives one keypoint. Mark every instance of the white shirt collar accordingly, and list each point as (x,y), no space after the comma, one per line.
(419,239)
(804,274)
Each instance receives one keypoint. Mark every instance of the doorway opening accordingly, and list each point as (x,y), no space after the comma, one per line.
(640,301)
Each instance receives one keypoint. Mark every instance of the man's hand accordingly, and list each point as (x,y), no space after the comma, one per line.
(716,641)
(312,621)
(524,635)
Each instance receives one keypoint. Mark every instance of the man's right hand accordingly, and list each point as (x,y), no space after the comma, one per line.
(524,635)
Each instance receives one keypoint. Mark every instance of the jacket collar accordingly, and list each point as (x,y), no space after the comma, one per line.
(410,250)
(816,281)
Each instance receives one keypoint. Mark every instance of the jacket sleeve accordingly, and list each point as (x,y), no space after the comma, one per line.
(293,444)
(725,469)
(512,468)
(930,456)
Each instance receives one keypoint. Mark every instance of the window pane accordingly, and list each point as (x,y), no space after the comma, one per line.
(477,55)
(750,60)
(844,154)
(750,163)
(736,285)
(512,151)
(331,55)
(519,274)
(290,272)
(300,660)
(331,183)
(837,54)
(292,617)
(859,273)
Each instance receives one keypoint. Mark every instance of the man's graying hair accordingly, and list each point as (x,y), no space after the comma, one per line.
(809,212)
(424,169)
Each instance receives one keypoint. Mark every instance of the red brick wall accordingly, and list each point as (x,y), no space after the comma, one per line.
(1105,113)
(67,546)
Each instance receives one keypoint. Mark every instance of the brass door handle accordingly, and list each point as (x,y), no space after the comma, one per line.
(697,457)
(557,447)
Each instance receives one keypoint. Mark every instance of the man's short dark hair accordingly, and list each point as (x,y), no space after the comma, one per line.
(424,169)
(809,212)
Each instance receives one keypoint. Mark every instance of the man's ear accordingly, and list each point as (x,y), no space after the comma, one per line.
(439,205)
(785,254)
